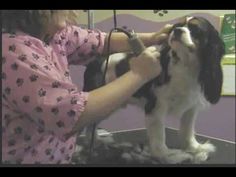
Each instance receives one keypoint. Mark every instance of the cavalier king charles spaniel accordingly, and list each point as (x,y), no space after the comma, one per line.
(191,80)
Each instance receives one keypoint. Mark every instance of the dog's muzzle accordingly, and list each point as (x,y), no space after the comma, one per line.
(181,35)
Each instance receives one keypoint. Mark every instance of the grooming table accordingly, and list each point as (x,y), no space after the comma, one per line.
(130,148)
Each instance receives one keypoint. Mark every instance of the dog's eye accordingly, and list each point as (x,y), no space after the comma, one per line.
(195,31)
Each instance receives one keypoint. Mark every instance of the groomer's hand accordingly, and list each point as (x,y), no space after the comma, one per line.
(161,36)
(147,64)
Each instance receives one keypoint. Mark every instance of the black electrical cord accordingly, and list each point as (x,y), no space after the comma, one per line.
(104,74)
(92,142)
(108,48)
(104,81)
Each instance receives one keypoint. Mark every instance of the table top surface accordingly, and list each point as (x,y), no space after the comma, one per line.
(130,148)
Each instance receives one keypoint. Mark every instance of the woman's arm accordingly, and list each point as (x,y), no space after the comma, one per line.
(119,41)
(104,100)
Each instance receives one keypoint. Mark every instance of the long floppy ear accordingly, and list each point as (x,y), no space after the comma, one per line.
(210,76)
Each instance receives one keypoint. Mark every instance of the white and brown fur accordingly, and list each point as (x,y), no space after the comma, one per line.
(191,79)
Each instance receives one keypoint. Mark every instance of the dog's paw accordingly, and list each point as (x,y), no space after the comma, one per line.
(201,152)
(174,156)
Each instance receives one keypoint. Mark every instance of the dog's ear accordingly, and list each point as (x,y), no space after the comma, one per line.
(210,76)
(163,77)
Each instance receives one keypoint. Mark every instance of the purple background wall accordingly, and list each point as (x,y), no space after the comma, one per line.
(218,121)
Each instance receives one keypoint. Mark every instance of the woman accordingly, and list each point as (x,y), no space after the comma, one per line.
(42,108)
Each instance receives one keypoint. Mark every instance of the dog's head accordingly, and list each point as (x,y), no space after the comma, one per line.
(196,36)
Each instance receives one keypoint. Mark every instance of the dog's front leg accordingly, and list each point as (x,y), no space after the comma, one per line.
(156,135)
(188,140)
(156,132)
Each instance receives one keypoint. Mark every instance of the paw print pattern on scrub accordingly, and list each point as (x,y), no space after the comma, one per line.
(47,107)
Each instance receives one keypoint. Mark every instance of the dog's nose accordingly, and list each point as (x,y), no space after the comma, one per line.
(177,32)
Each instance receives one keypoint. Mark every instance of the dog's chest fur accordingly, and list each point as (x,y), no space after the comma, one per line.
(183,91)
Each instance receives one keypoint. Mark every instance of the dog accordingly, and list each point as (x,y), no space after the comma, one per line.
(190,81)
